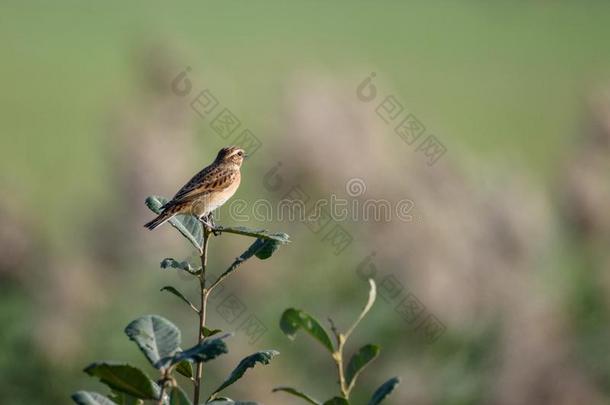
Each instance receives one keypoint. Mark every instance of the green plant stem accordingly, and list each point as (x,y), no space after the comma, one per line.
(202,309)
(163,387)
(224,275)
(338,358)
(160,401)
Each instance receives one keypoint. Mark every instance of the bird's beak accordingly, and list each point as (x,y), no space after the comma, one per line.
(246,155)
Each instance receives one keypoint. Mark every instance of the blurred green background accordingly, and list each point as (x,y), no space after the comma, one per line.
(507,248)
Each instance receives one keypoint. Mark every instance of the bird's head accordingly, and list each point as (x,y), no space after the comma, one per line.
(231,155)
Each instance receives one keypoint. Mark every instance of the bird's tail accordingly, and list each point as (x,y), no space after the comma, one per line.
(160,220)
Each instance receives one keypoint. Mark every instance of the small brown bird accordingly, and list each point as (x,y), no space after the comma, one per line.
(207,190)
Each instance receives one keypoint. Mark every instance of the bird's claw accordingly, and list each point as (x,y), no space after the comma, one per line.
(208,222)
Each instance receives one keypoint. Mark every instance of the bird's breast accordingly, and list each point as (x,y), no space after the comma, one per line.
(221,197)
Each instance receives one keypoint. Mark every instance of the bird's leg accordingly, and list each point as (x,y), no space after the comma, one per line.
(204,220)
(211,220)
(208,221)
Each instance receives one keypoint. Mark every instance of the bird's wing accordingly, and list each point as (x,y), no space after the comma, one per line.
(210,179)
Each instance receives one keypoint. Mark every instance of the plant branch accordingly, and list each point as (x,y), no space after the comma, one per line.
(224,275)
(338,358)
(342,338)
(165,379)
(254,233)
(203,308)
(160,401)
(251,251)
(182,297)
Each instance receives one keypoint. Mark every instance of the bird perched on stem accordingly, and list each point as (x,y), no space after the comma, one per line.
(207,190)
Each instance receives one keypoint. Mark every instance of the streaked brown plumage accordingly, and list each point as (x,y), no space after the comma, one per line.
(207,190)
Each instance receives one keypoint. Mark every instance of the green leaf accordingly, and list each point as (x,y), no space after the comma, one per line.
(185,368)
(263,357)
(359,361)
(91,398)
(124,378)
(178,397)
(205,351)
(210,332)
(187,225)
(337,401)
(297,393)
(262,248)
(384,390)
(178,294)
(294,319)
(124,399)
(183,265)
(267,249)
(228,401)
(255,248)
(155,336)
(367,307)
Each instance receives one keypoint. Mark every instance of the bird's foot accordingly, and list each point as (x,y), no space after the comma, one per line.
(208,222)
(215,229)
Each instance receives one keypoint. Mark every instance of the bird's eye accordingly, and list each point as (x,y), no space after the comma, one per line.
(240,153)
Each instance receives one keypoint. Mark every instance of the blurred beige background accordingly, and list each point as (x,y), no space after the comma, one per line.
(506,249)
